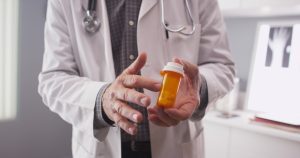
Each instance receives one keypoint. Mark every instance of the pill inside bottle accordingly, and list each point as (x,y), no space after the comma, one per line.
(172,74)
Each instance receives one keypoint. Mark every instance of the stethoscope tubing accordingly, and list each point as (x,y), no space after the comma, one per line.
(92,4)
(179,29)
(92,24)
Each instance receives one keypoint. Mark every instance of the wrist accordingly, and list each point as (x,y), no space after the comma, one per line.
(104,115)
(100,117)
(203,96)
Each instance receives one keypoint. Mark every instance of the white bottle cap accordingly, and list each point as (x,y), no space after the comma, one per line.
(175,67)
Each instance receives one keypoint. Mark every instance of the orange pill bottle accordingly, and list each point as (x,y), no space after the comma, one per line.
(172,74)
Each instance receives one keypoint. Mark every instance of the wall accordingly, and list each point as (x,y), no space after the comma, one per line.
(36,132)
(242,32)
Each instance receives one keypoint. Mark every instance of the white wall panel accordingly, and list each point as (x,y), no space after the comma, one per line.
(8,58)
(260,8)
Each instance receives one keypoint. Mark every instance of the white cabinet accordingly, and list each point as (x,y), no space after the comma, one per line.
(249,144)
(219,142)
(259,8)
(237,138)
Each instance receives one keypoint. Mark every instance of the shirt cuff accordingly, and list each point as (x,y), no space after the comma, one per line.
(101,120)
(200,111)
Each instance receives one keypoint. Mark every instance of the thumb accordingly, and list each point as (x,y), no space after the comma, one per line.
(190,69)
(137,65)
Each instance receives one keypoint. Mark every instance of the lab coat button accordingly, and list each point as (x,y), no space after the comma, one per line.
(131,57)
(131,23)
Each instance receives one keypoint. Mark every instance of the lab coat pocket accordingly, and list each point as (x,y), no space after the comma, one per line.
(183,46)
(193,148)
(188,130)
(88,144)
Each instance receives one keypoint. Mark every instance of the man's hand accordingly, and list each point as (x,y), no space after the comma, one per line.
(187,99)
(122,90)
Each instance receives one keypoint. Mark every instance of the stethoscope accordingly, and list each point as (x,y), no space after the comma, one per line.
(92,24)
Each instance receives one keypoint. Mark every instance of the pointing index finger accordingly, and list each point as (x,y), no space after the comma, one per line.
(137,65)
(137,81)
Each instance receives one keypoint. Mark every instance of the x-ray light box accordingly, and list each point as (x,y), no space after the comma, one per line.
(274,82)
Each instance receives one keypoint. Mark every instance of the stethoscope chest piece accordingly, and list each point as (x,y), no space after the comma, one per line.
(90,22)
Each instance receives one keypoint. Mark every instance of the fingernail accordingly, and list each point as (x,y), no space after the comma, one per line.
(176,60)
(135,117)
(145,101)
(131,130)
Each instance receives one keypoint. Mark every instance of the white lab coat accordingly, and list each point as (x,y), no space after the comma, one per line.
(76,65)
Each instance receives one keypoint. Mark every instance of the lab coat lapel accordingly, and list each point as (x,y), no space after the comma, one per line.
(146,6)
(105,31)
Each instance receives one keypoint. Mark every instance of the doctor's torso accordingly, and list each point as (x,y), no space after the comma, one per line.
(93,52)
(93,58)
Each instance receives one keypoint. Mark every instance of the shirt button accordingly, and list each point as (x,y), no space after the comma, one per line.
(131,23)
(131,57)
